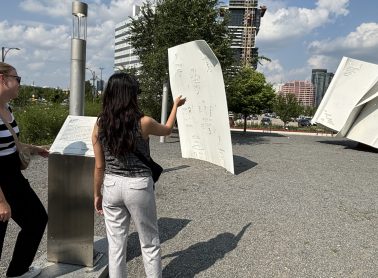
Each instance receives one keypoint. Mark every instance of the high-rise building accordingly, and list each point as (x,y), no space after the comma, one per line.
(321,79)
(303,90)
(244,25)
(124,56)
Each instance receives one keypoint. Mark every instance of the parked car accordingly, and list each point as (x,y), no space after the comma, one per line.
(266,121)
(304,122)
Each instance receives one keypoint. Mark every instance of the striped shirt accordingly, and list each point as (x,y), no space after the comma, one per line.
(7,145)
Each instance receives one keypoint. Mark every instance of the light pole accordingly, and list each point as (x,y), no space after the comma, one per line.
(78,57)
(5,50)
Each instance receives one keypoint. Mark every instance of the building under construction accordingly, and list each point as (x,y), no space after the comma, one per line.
(245,18)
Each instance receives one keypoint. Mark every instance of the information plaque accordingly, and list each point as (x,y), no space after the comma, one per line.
(74,138)
(70,232)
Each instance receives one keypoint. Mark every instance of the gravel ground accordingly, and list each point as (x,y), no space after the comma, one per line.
(298,206)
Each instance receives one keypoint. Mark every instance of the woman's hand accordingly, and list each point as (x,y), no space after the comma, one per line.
(40,151)
(5,211)
(98,204)
(180,101)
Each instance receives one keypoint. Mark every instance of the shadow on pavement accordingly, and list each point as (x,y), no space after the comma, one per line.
(348,144)
(201,256)
(168,228)
(251,138)
(242,164)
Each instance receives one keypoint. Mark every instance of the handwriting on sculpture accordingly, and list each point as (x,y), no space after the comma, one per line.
(195,73)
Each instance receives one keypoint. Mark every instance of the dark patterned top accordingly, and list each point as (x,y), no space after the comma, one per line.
(7,145)
(128,165)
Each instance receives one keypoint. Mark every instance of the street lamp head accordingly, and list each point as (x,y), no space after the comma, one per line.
(79,20)
(5,50)
(79,9)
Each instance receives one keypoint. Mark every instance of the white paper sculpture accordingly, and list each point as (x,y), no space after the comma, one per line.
(196,74)
(350,104)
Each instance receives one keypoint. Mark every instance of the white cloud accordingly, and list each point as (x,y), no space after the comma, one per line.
(61,8)
(276,74)
(36,66)
(338,7)
(57,37)
(302,73)
(45,44)
(322,62)
(116,11)
(285,24)
(273,71)
(10,33)
(360,44)
(363,40)
(273,65)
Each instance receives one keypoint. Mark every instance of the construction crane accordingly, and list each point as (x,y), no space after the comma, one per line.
(251,23)
(248,33)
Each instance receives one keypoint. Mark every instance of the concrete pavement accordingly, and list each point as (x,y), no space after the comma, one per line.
(298,206)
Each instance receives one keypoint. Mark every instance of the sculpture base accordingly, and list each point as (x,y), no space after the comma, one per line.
(99,270)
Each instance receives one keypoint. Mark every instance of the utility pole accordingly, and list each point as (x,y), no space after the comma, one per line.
(101,81)
(93,83)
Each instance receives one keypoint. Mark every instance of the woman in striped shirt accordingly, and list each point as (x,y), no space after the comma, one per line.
(17,199)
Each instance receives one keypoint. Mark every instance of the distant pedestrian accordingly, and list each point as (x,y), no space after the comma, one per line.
(17,199)
(120,132)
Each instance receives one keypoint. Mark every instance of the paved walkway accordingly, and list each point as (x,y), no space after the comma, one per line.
(298,206)
(286,132)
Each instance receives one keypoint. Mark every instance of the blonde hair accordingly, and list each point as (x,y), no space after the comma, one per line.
(5,68)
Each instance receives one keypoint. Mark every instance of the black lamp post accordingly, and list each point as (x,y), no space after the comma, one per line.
(5,50)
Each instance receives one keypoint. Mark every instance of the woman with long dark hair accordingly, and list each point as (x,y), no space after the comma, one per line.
(121,131)
(17,199)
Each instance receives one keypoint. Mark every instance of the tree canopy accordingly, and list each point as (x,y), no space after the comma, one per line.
(287,107)
(170,23)
(249,93)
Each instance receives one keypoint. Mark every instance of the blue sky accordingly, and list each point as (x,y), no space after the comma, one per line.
(297,35)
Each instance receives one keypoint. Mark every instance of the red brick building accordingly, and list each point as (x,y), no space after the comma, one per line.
(303,90)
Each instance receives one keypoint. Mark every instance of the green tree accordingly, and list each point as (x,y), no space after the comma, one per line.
(24,95)
(287,107)
(132,71)
(309,111)
(249,93)
(88,90)
(257,60)
(174,22)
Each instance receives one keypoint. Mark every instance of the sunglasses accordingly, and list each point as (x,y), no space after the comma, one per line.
(18,78)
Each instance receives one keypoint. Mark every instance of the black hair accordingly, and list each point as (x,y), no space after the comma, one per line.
(119,120)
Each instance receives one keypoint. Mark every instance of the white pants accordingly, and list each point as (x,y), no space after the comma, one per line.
(125,198)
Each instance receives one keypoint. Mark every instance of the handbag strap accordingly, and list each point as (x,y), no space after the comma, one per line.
(18,144)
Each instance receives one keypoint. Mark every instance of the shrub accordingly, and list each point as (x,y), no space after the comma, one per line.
(39,124)
(92,108)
